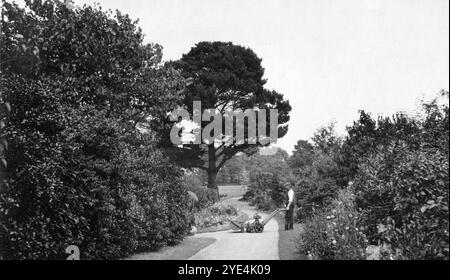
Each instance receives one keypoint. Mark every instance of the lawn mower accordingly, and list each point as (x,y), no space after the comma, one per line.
(256,225)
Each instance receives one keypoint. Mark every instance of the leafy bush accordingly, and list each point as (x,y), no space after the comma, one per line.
(216,214)
(313,191)
(400,171)
(194,183)
(109,208)
(402,181)
(334,233)
(403,195)
(79,82)
(316,170)
(266,192)
(315,240)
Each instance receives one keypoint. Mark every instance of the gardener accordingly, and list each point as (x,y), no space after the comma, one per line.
(289,217)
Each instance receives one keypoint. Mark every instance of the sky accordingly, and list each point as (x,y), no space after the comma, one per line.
(328,58)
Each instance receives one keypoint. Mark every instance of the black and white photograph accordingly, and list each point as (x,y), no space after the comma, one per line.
(224,130)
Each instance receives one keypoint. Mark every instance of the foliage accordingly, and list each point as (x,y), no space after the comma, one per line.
(274,163)
(334,233)
(246,169)
(263,172)
(216,214)
(403,195)
(234,171)
(302,156)
(313,192)
(79,170)
(402,183)
(316,171)
(266,193)
(367,134)
(398,167)
(194,182)
(224,77)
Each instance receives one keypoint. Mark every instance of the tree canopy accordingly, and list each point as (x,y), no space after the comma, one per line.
(225,77)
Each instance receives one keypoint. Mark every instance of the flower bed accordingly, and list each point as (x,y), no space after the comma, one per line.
(215,215)
(334,234)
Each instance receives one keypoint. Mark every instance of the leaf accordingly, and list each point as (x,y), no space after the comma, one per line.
(381,228)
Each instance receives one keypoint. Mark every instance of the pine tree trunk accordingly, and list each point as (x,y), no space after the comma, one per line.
(212,185)
(212,172)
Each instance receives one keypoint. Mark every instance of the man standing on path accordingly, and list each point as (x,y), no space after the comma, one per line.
(289,218)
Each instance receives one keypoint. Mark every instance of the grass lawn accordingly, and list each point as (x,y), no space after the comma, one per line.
(287,243)
(187,248)
(229,191)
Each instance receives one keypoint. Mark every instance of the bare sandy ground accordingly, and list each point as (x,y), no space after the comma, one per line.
(232,245)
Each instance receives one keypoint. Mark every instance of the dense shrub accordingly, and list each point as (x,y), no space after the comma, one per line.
(334,233)
(79,82)
(126,199)
(402,181)
(403,195)
(315,240)
(317,171)
(399,165)
(266,192)
(313,191)
(193,182)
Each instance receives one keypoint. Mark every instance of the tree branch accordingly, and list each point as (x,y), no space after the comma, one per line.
(202,167)
(224,150)
(223,161)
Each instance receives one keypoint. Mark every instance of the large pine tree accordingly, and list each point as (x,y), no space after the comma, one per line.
(225,77)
